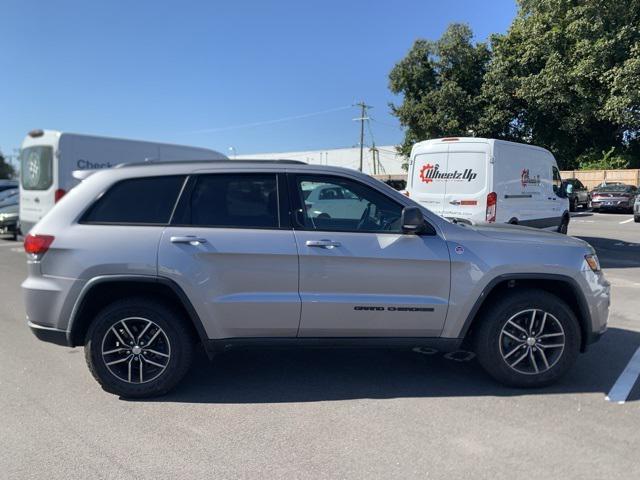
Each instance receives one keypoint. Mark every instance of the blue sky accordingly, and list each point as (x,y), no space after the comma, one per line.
(184,72)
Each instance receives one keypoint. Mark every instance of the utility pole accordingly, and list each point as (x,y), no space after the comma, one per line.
(363,116)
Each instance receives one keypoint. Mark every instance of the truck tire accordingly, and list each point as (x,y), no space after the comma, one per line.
(138,348)
(529,338)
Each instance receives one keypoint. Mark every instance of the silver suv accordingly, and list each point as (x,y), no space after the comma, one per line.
(141,263)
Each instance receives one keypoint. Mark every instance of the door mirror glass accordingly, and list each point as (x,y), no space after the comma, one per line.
(569,189)
(412,221)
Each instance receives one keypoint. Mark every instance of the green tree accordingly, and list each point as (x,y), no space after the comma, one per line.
(566,76)
(6,169)
(440,83)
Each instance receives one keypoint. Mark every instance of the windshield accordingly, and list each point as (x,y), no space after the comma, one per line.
(36,166)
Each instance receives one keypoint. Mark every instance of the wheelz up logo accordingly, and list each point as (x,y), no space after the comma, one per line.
(429,173)
(526,179)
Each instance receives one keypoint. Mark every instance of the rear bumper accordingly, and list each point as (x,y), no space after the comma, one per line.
(49,334)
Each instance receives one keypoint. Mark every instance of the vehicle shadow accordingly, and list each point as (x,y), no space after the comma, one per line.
(277,376)
(614,253)
(585,213)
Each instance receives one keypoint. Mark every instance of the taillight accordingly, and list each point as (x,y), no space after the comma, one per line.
(492,200)
(59,193)
(37,244)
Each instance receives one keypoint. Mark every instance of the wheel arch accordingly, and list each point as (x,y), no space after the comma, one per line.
(562,286)
(100,291)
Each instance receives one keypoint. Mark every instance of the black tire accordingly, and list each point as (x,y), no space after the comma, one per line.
(177,337)
(636,218)
(564,225)
(573,204)
(488,337)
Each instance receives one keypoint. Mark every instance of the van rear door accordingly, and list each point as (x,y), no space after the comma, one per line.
(466,182)
(36,184)
(425,188)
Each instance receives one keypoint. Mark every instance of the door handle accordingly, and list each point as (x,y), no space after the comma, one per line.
(322,243)
(190,239)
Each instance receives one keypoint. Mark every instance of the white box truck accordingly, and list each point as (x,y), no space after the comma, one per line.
(48,159)
(482,180)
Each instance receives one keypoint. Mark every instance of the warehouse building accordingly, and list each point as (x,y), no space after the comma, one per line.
(383,162)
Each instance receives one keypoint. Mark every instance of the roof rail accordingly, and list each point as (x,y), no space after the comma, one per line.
(180,162)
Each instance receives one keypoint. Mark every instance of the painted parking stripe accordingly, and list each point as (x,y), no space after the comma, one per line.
(626,221)
(623,386)
(8,244)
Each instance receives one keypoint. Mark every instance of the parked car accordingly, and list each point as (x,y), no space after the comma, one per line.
(8,185)
(577,193)
(483,180)
(140,263)
(614,197)
(9,220)
(636,209)
(9,196)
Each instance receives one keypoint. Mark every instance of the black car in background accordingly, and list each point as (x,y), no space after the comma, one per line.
(614,197)
(579,196)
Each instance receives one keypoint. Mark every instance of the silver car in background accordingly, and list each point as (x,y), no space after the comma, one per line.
(141,263)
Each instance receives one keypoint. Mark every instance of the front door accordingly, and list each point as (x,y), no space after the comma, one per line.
(231,249)
(359,274)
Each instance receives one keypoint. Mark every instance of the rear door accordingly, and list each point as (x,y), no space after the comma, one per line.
(360,276)
(231,249)
(426,186)
(37,183)
(465,181)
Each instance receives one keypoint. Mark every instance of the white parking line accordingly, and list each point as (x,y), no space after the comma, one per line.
(626,221)
(8,244)
(623,386)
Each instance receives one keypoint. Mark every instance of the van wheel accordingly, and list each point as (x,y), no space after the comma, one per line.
(530,338)
(138,348)
(564,225)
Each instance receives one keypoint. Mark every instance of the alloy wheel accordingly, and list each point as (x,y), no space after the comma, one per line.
(136,350)
(532,341)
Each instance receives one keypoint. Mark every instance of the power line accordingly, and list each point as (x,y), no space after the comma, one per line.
(266,122)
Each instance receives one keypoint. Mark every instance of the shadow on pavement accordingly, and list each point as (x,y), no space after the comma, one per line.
(276,376)
(615,253)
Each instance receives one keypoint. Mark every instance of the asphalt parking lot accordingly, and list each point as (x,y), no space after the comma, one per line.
(327,413)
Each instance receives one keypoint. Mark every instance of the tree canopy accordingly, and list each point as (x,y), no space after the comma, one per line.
(565,76)
(6,169)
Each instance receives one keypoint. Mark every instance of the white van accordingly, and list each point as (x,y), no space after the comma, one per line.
(481,180)
(48,159)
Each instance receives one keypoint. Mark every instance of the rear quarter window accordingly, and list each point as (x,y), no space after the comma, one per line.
(139,201)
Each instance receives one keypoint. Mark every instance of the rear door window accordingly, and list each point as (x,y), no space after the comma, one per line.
(138,201)
(236,200)
(36,166)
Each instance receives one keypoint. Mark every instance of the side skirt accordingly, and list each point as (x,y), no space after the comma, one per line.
(441,344)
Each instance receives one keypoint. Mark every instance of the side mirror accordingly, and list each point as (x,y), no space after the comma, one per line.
(412,221)
(569,189)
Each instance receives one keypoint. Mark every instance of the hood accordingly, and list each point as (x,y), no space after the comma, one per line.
(518,233)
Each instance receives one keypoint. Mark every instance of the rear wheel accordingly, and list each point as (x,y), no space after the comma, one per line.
(528,339)
(573,204)
(636,218)
(138,348)
(564,225)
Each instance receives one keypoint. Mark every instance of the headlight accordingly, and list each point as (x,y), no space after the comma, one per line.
(593,262)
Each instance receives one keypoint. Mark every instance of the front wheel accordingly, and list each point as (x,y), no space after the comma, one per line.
(138,348)
(529,338)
